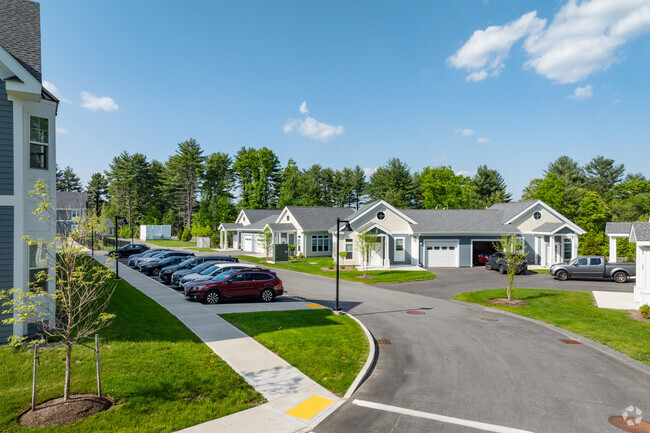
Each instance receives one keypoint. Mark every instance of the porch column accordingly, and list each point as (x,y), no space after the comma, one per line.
(552,259)
(612,249)
(386,253)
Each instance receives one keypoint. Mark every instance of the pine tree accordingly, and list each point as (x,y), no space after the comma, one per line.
(68,180)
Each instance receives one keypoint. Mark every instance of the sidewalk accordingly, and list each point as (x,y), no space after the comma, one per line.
(616,300)
(284,386)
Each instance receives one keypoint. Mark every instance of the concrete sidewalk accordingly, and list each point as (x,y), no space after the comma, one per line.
(615,300)
(284,386)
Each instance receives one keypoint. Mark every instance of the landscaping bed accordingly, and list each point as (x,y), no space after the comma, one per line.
(161,377)
(575,312)
(323,266)
(330,349)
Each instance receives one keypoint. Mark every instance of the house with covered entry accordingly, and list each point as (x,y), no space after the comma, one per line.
(638,233)
(415,237)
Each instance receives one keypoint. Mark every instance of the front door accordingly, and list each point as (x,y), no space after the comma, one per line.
(377,255)
(399,253)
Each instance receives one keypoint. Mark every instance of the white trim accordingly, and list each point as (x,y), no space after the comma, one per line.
(471,248)
(403,252)
(551,211)
(293,217)
(372,227)
(241,213)
(388,206)
(29,83)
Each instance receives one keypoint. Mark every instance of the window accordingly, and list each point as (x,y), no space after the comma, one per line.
(320,243)
(567,250)
(381,215)
(287,217)
(399,244)
(582,261)
(594,262)
(349,249)
(37,266)
(39,138)
(299,242)
(537,215)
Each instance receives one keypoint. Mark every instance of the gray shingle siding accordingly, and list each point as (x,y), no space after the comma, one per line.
(531,257)
(6,143)
(6,261)
(407,249)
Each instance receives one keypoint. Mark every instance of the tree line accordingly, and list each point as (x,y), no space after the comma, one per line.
(194,192)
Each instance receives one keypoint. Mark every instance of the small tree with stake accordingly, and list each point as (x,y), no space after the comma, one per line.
(366,240)
(77,309)
(266,241)
(514,254)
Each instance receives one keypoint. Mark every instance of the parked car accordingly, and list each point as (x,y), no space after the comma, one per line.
(593,267)
(165,273)
(481,257)
(212,271)
(134,257)
(129,250)
(146,265)
(497,262)
(146,256)
(260,283)
(154,267)
(177,275)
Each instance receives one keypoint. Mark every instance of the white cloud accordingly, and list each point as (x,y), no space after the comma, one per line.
(582,93)
(312,128)
(62,131)
(582,38)
(53,90)
(484,53)
(303,108)
(482,140)
(465,132)
(95,103)
(368,171)
(465,173)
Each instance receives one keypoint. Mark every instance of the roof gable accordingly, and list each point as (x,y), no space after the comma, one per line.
(377,203)
(515,210)
(640,232)
(318,218)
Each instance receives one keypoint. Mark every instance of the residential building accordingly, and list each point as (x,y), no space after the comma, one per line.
(70,207)
(639,233)
(27,149)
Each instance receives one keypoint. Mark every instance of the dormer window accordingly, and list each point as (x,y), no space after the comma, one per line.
(287,217)
(381,215)
(537,215)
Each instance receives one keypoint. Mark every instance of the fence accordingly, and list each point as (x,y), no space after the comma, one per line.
(107,242)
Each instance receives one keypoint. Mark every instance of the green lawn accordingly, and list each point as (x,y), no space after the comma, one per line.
(539,271)
(203,250)
(329,349)
(378,277)
(172,243)
(161,375)
(575,312)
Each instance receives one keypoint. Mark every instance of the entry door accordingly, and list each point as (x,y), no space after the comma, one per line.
(441,254)
(377,255)
(399,253)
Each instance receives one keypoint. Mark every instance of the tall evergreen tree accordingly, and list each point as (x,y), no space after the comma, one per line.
(568,170)
(290,193)
(603,174)
(394,183)
(217,184)
(97,189)
(359,186)
(185,171)
(68,180)
(489,187)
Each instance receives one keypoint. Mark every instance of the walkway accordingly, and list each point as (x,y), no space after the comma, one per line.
(283,385)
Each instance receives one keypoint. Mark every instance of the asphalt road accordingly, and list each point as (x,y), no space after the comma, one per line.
(506,372)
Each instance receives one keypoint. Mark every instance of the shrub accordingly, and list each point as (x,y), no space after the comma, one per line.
(186,235)
(300,256)
(292,248)
(215,239)
(200,231)
(645,311)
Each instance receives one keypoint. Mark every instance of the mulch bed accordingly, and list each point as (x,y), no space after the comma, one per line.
(505,301)
(365,277)
(636,315)
(56,412)
(342,268)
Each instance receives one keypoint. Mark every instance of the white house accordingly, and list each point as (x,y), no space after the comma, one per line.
(640,233)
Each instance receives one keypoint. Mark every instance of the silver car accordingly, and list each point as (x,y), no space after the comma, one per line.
(210,272)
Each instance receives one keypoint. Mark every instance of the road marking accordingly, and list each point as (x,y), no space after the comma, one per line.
(450,420)
(315,306)
(310,407)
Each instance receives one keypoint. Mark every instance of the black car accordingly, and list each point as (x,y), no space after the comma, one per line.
(165,274)
(498,262)
(154,267)
(133,258)
(129,250)
(177,275)
(148,264)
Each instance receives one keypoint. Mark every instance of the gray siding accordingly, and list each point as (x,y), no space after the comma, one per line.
(6,143)
(6,261)
(407,249)
(531,257)
(464,247)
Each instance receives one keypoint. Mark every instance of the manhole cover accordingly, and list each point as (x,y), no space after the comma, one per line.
(488,319)
(382,341)
(417,313)
(630,424)
(570,341)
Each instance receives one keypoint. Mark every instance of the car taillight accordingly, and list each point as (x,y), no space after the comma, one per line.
(280,282)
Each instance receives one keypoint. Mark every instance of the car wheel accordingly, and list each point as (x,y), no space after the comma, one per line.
(266,295)
(156,271)
(502,269)
(487,266)
(212,297)
(620,277)
(562,275)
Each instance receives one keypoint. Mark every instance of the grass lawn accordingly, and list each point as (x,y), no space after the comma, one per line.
(172,243)
(329,349)
(539,271)
(378,277)
(202,250)
(575,312)
(161,375)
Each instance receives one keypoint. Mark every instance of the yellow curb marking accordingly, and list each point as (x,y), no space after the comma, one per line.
(310,407)
(314,306)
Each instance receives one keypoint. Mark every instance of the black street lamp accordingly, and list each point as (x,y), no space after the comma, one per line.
(346,228)
(118,220)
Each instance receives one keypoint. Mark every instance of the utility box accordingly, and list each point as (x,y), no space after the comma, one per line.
(280,253)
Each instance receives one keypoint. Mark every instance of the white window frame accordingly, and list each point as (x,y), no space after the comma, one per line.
(380,212)
(322,241)
(40,264)
(45,144)
(540,215)
(349,252)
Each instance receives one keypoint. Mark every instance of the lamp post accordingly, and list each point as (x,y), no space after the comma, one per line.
(346,228)
(118,219)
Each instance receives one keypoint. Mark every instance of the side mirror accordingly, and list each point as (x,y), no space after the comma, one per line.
(228,282)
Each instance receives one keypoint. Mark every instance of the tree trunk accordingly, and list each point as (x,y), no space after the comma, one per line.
(68,362)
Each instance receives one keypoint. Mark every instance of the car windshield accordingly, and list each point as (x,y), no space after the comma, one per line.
(209,270)
(223,276)
(203,266)
(186,262)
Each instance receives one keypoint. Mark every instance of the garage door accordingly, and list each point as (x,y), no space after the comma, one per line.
(441,254)
(248,243)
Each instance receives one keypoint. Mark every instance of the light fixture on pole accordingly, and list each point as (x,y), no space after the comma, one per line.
(346,228)
(118,220)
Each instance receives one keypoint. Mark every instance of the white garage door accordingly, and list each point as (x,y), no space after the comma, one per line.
(441,254)
(248,243)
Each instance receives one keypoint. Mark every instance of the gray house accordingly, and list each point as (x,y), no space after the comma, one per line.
(70,206)
(27,149)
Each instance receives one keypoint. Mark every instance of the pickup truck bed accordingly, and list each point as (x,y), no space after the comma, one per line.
(593,267)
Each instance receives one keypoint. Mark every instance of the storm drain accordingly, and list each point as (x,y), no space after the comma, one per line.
(417,313)
(426,308)
(489,319)
(630,424)
(383,341)
(570,341)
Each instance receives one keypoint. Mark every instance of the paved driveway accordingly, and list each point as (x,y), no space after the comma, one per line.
(506,372)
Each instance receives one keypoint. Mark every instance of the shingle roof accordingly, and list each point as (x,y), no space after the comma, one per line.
(20,33)
(458,221)
(512,209)
(641,231)
(548,227)
(231,226)
(255,215)
(259,225)
(319,218)
(618,228)
(71,199)
(282,227)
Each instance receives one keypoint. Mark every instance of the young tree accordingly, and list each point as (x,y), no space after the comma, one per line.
(97,189)
(266,242)
(514,255)
(366,240)
(68,180)
(77,309)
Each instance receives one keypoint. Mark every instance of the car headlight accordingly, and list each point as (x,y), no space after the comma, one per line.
(197,287)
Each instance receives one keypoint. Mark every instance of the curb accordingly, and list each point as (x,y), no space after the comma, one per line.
(618,356)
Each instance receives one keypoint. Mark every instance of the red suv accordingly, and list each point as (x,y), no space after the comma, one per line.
(262,284)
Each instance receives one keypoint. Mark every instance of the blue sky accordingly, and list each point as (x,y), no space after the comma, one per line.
(511,84)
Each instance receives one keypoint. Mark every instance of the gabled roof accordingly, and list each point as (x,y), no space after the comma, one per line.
(282,227)
(367,208)
(318,218)
(618,228)
(20,33)
(640,232)
(259,224)
(459,221)
(256,215)
(230,226)
(71,200)
(513,209)
(549,227)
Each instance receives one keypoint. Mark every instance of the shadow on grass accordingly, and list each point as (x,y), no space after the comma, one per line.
(264,322)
